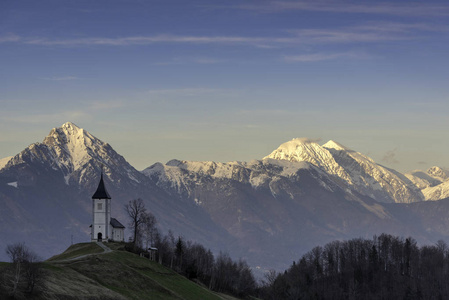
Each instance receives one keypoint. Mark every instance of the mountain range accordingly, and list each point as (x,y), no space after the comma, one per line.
(267,211)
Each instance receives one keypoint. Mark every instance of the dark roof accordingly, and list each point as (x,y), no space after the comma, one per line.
(101,192)
(116,224)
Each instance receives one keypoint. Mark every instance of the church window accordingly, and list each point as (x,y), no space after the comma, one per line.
(100,206)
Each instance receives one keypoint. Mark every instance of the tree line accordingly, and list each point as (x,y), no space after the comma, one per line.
(385,267)
(193,260)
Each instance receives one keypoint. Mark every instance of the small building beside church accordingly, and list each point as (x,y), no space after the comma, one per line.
(104,228)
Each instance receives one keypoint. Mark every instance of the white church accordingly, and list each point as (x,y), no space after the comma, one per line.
(104,228)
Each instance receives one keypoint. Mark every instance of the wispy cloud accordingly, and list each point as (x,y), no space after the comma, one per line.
(267,112)
(208,61)
(60,78)
(106,105)
(36,118)
(365,33)
(195,60)
(307,140)
(390,157)
(9,38)
(184,91)
(144,40)
(372,7)
(314,57)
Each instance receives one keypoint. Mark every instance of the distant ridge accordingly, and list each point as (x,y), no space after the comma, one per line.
(301,195)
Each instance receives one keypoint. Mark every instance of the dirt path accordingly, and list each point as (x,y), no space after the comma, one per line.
(103,246)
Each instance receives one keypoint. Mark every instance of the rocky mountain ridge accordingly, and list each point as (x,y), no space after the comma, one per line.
(267,211)
(348,169)
(434,183)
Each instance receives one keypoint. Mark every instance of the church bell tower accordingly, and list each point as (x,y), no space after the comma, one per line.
(101,211)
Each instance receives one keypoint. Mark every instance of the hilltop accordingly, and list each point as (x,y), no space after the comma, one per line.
(86,271)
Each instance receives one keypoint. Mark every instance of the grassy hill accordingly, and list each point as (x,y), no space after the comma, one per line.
(85,271)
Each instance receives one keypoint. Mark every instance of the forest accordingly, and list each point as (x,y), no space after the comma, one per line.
(385,267)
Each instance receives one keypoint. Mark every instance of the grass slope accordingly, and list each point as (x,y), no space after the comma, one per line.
(77,250)
(114,275)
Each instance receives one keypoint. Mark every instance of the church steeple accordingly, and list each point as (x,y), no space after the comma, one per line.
(104,228)
(101,208)
(101,192)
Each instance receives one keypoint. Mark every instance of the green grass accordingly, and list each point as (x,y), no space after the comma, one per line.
(119,277)
(116,246)
(116,275)
(227,297)
(77,250)
(162,280)
(3,265)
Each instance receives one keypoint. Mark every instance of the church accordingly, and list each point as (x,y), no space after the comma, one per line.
(104,228)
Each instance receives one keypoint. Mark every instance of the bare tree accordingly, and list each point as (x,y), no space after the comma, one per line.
(149,228)
(17,254)
(25,272)
(172,243)
(136,210)
(33,271)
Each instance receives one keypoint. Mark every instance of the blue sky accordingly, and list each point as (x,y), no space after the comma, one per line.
(229,80)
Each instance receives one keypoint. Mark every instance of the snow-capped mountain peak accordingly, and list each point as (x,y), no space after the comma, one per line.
(438,172)
(74,146)
(304,149)
(358,172)
(334,145)
(78,155)
(4,161)
(299,149)
(434,183)
(72,137)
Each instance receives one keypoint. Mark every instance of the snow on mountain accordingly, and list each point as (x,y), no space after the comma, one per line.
(357,171)
(184,176)
(4,161)
(336,146)
(423,179)
(240,171)
(46,190)
(303,149)
(438,192)
(438,172)
(372,179)
(74,146)
(77,154)
(349,169)
(268,211)
(434,183)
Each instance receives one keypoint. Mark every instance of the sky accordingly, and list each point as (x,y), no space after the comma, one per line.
(229,80)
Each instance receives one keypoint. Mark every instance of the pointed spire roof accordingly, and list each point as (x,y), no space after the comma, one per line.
(101,192)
